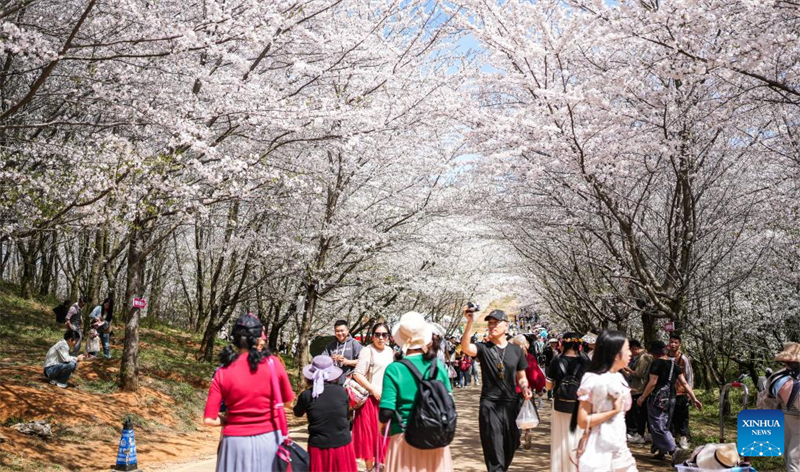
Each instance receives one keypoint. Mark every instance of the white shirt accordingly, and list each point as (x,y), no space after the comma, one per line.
(372,364)
(72,318)
(607,445)
(58,354)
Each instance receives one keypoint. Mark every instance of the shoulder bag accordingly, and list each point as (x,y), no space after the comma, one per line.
(662,397)
(290,456)
(357,394)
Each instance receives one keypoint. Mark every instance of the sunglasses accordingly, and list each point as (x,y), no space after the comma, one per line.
(381,335)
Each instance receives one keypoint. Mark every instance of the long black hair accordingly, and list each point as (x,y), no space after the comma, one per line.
(608,346)
(107,314)
(244,338)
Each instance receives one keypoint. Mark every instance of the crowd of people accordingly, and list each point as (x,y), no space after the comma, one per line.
(606,392)
(63,357)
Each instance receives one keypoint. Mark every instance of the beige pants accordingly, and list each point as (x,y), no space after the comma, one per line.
(791,441)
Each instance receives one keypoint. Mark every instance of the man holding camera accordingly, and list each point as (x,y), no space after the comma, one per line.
(503,368)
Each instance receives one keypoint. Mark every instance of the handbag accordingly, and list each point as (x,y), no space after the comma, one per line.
(357,394)
(290,456)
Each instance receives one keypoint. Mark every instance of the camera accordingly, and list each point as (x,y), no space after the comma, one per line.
(473,307)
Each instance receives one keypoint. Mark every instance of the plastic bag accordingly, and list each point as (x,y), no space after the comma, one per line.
(527,418)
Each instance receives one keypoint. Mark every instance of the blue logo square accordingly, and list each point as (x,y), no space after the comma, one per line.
(760,433)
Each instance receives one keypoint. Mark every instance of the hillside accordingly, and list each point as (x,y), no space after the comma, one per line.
(87,417)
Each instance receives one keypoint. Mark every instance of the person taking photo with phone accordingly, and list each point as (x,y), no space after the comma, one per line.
(503,368)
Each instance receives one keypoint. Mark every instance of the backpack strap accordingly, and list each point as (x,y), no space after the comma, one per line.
(414,371)
(561,367)
(794,393)
(278,410)
(578,367)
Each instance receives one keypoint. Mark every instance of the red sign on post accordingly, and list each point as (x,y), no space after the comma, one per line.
(139,303)
(669,327)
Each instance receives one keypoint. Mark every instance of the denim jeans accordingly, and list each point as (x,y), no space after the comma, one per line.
(105,339)
(61,372)
(77,350)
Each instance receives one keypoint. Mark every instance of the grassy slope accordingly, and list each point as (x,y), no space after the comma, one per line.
(168,406)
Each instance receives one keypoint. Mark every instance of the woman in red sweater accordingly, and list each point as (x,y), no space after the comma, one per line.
(251,427)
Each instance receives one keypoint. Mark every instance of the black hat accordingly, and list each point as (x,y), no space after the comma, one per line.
(248,321)
(499,315)
(657,347)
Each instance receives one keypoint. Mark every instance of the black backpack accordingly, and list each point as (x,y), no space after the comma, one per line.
(566,393)
(432,423)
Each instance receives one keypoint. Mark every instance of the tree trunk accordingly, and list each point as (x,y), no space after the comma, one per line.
(649,327)
(28,268)
(98,249)
(209,335)
(129,371)
(304,329)
(277,323)
(157,285)
(48,265)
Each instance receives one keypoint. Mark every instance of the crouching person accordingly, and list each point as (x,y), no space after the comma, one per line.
(59,364)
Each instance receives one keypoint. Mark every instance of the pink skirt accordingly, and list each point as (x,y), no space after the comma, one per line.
(335,459)
(402,457)
(366,432)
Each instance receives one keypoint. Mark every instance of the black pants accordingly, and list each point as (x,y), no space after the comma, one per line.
(636,417)
(500,437)
(680,417)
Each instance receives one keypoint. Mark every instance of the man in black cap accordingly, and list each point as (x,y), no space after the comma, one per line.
(502,367)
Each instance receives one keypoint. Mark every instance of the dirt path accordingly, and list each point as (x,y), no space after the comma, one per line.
(466,448)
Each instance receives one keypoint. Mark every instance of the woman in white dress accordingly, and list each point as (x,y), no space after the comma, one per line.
(604,398)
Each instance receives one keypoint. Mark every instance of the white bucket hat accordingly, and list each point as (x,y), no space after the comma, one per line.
(412,332)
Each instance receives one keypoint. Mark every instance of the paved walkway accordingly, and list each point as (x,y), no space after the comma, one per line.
(466,447)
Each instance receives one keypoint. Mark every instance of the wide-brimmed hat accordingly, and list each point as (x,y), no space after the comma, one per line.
(321,369)
(790,353)
(718,457)
(412,332)
(438,329)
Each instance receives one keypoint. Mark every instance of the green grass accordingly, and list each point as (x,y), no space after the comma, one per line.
(705,427)
(26,326)
(97,386)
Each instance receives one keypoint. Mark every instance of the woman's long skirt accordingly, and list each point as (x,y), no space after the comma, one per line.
(248,453)
(562,442)
(402,457)
(366,433)
(335,459)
